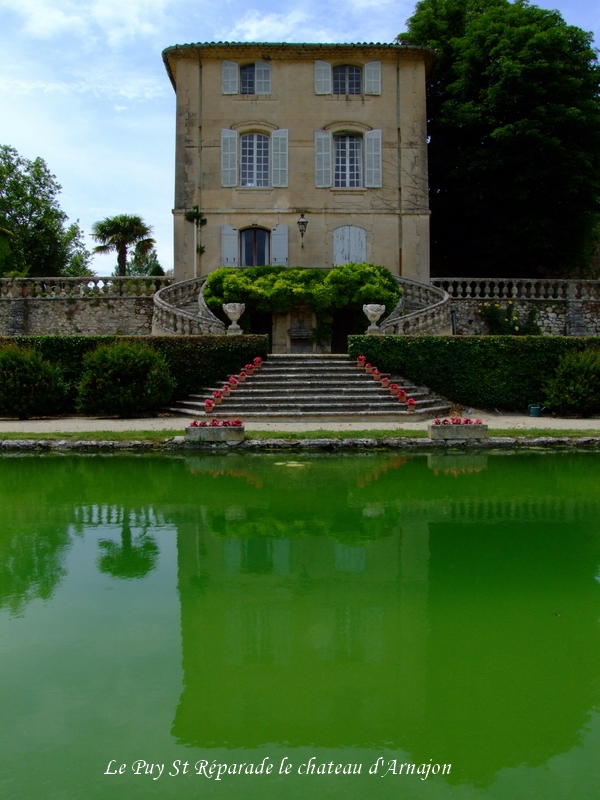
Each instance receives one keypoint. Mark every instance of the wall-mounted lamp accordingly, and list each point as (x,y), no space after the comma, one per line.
(302,226)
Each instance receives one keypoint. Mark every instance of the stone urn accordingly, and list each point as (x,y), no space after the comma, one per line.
(234,311)
(374,312)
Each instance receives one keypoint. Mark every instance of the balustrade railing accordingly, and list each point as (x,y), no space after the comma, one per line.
(85,287)
(518,289)
(170,317)
(422,309)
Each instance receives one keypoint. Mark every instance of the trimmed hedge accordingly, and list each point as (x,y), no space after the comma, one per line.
(194,362)
(29,385)
(482,371)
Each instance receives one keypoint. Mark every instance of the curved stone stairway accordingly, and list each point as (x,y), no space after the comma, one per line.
(314,388)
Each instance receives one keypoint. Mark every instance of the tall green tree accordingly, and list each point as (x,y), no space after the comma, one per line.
(514,132)
(38,239)
(117,234)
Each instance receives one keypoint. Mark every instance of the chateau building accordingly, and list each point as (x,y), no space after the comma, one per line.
(270,134)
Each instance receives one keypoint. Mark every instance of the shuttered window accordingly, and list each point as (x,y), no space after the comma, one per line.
(229,145)
(323,141)
(248,79)
(229,246)
(348,161)
(279,246)
(279,158)
(254,160)
(322,77)
(373,77)
(347,80)
(229,77)
(373,159)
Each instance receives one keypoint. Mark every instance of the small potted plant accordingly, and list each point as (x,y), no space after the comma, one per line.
(258,362)
(242,375)
(394,389)
(360,362)
(233,382)
(401,395)
(376,374)
(249,369)
(217,397)
(209,405)
(385,382)
(369,368)
(226,390)
(411,404)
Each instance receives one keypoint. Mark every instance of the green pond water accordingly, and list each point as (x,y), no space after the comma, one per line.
(345,611)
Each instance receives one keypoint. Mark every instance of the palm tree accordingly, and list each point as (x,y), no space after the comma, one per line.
(119,233)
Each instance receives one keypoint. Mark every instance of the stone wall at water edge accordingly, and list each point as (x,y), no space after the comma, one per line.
(71,306)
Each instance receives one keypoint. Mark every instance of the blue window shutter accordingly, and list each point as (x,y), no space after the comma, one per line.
(279,246)
(229,246)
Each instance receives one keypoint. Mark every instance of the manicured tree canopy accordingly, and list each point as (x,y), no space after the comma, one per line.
(119,233)
(514,127)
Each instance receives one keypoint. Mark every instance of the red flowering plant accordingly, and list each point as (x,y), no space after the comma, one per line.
(385,382)
(457,421)
(242,375)
(209,405)
(394,389)
(257,362)
(401,396)
(233,382)
(217,423)
(217,394)
(411,403)
(368,368)
(360,362)
(226,390)
(249,369)
(376,374)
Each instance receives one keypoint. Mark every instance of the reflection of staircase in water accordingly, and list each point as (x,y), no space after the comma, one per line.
(315,387)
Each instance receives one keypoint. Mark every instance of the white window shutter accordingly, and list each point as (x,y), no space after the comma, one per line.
(229,77)
(323,77)
(262,77)
(373,159)
(279,158)
(229,160)
(229,246)
(279,246)
(323,146)
(373,77)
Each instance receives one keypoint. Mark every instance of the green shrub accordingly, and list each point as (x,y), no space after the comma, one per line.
(194,362)
(505,321)
(124,380)
(575,388)
(29,386)
(507,372)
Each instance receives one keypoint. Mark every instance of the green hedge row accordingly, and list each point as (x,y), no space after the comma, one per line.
(194,362)
(482,371)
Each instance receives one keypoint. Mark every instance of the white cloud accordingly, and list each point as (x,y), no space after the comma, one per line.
(115,20)
(295,25)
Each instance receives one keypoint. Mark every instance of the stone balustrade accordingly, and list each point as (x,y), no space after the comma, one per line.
(518,288)
(422,309)
(52,288)
(194,318)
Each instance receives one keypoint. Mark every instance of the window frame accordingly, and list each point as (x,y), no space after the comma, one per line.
(347,80)
(347,162)
(232,78)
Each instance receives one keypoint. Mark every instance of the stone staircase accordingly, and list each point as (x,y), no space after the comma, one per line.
(314,388)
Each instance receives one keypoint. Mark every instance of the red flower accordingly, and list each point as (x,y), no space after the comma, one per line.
(217,393)
(455,420)
(257,361)
(437,421)
(361,358)
(411,402)
(401,393)
(478,422)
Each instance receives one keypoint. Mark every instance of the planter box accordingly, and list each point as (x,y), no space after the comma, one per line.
(452,433)
(208,434)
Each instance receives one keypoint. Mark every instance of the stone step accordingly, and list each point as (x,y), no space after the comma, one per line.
(323,404)
(323,416)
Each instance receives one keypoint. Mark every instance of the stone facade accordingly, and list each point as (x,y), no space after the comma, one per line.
(303,121)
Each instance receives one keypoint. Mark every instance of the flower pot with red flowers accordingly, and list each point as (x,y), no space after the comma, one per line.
(227,431)
(401,396)
(242,375)
(249,369)
(209,405)
(233,382)
(394,389)
(369,368)
(225,391)
(376,374)
(360,362)
(385,382)
(258,362)
(217,397)
(411,404)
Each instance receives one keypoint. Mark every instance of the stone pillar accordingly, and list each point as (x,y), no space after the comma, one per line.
(414,200)
(187,166)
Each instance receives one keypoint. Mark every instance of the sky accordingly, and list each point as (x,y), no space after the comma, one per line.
(82,84)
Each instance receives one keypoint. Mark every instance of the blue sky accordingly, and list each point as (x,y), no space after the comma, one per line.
(82,85)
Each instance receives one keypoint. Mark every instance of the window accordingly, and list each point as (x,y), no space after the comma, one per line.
(262,159)
(250,79)
(347,80)
(254,160)
(254,247)
(348,160)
